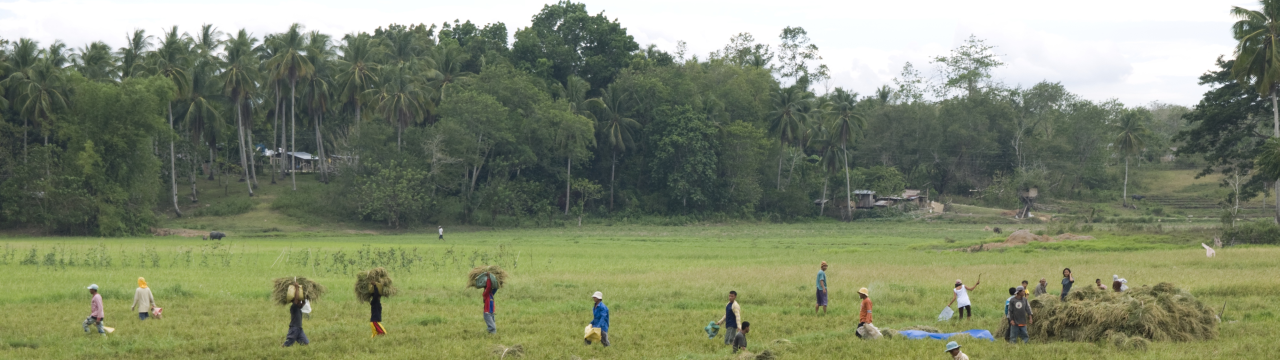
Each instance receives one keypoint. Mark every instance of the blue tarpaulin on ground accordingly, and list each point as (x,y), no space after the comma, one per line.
(917,334)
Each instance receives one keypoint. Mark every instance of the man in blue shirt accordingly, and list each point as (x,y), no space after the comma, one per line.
(822,290)
(600,318)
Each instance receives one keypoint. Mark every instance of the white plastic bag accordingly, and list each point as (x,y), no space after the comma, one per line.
(306,306)
(946,314)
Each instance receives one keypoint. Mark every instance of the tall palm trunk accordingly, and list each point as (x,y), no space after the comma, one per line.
(357,126)
(24,139)
(293,129)
(613,165)
(822,209)
(1124,201)
(173,174)
(848,198)
(781,153)
(1275,112)
(244,161)
(324,177)
(253,162)
(213,158)
(568,181)
(275,167)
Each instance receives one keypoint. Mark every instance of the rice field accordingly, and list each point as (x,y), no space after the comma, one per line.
(661,284)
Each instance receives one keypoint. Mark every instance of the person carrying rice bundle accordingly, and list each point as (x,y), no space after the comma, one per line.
(961,298)
(297,292)
(143,301)
(95,311)
(599,320)
(371,287)
(489,279)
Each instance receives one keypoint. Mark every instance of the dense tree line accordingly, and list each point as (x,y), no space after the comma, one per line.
(452,123)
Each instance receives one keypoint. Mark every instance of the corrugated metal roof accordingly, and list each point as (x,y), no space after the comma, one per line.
(864,192)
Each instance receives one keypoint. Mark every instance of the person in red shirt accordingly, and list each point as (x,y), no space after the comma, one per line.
(864,313)
(489,290)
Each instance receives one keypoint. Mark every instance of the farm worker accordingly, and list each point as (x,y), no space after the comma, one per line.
(489,291)
(1019,317)
(441,229)
(375,312)
(822,289)
(961,298)
(953,349)
(1099,283)
(732,319)
(600,318)
(1067,281)
(864,312)
(95,310)
(1025,284)
(740,340)
(143,301)
(1118,284)
(1042,288)
(1013,292)
(295,323)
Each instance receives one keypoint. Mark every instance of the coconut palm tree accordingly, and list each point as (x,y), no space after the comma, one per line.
(614,129)
(267,51)
(41,95)
(290,65)
(132,60)
(789,119)
(22,57)
(448,58)
(1257,33)
(358,69)
(96,62)
(239,79)
(201,117)
(320,54)
(847,123)
(402,98)
(1131,132)
(170,61)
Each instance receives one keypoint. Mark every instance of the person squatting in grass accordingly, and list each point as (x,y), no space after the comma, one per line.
(864,312)
(732,319)
(953,349)
(295,323)
(1067,281)
(1020,317)
(740,340)
(487,296)
(822,289)
(95,311)
(961,299)
(143,301)
(600,318)
(375,312)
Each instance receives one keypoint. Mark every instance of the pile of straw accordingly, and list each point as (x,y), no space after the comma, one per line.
(1160,313)
(503,351)
(311,290)
(499,277)
(375,281)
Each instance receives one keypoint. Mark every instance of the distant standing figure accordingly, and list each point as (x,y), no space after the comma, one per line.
(95,311)
(441,229)
(1208,251)
(953,349)
(600,318)
(1019,317)
(1067,281)
(732,319)
(1042,288)
(740,340)
(864,312)
(489,322)
(822,289)
(961,299)
(143,301)
(1013,292)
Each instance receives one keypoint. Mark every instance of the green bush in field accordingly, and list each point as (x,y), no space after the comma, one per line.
(235,206)
(1254,232)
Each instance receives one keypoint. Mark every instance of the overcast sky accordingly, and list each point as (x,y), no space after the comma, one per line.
(1135,50)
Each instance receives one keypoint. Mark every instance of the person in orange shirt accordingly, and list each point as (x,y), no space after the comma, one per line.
(864,313)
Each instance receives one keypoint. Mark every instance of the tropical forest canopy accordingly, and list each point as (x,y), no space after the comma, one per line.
(569,117)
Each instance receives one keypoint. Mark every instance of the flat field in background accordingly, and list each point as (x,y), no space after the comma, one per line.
(662,285)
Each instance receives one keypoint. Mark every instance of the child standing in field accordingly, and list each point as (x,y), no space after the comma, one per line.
(961,298)
(95,311)
(822,290)
(143,301)
(864,312)
(1067,281)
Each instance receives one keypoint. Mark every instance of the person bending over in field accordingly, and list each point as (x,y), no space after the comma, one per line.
(295,322)
(732,319)
(143,301)
(95,310)
(600,318)
(822,289)
(864,312)
(740,340)
(1067,281)
(961,298)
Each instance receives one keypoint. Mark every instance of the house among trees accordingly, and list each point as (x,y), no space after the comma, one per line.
(864,199)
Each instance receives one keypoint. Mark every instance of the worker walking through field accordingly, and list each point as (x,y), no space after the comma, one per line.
(1020,317)
(732,319)
(489,290)
(143,301)
(961,298)
(1067,281)
(441,229)
(375,312)
(822,290)
(600,319)
(95,311)
(864,313)
(295,318)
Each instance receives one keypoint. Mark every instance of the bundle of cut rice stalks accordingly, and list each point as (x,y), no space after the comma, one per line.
(284,291)
(374,281)
(1156,313)
(477,276)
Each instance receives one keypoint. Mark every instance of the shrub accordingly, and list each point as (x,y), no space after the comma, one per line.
(1254,232)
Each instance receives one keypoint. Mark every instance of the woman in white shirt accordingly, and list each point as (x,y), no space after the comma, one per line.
(961,298)
(143,301)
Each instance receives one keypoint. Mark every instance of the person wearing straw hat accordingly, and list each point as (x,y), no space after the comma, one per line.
(95,311)
(953,349)
(961,298)
(732,319)
(600,318)
(143,301)
(822,290)
(864,312)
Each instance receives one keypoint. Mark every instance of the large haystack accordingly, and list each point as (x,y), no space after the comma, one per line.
(499,277)
(311,290)
(1160,313)
(374,281)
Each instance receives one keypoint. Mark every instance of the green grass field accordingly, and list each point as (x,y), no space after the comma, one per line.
(662,284)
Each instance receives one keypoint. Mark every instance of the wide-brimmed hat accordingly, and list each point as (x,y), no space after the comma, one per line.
(863,291)
(598,295)
(952,346)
